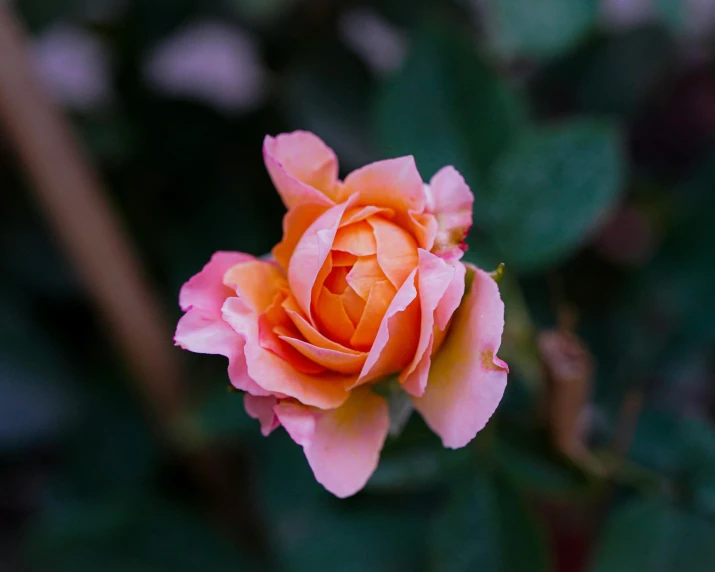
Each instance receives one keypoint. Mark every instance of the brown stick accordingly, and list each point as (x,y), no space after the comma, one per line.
(71,196)
(73,201)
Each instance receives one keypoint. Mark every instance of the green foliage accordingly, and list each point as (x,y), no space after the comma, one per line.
(646,534)
(550,189)
(480,526)
(446,106)
(539,28)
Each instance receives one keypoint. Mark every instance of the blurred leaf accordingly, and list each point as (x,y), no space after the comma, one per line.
(447,107)
(223,415)
(541,28)
(550,189)
(672,12)
(623,71)
(535,471)
(418,468)
(126,535)
(646,534)
(484,526)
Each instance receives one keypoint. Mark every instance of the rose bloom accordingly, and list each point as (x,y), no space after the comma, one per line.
(366,286)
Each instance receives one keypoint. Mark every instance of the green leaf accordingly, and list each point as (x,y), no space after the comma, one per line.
(646,534)
(550,189)
(484,526)
(447,107)
(540,28)
(123,535)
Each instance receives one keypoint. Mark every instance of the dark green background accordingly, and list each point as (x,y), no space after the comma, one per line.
(589,151)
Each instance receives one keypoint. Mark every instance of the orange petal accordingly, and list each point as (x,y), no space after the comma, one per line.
(381,294)
(397,337)
(357,239)
(343,258)
(275,375)
(310,333)
(395,184)
(336,282)
(356,214)
(330,359)
(256,282)
(302,167)
(295,222)
(396,250)
(333,318)
(354,305)
(311,253)
(275,320)
(364,274)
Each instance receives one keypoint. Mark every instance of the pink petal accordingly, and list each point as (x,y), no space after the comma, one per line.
(467,381)
(261,408)
(203,330)
(452,205)
(303,169)
(436,279)
(342,445)
(206,290)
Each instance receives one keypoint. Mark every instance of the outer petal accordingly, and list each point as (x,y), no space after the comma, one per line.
(302,167)
(206,290)
(452,205)
(436,278)
(261,408)
(467,380)
(342,445)
(203,330)
(394,183)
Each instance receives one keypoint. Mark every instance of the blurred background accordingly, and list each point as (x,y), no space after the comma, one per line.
(585,129)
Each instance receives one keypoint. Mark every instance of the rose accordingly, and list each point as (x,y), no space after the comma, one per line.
(367,284)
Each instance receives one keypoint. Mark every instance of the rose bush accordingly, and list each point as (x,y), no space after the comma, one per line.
(366,284)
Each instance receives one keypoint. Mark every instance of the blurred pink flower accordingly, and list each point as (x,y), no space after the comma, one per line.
(376,41)
(211,62)
(74,67)
(367,285)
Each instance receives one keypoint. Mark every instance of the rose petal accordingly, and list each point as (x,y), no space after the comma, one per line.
(364,274)
(396,250)
(452,205)
(326,390)
(331,359)
(378,302)
(310,254)
(303,169)
(357,239)
(206,289)
(295,222)
(342,445)
(467,381)
(397,336)
(203,330)
(261,408)
(433,279)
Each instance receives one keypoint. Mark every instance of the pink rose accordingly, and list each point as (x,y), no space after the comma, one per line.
(366,285)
